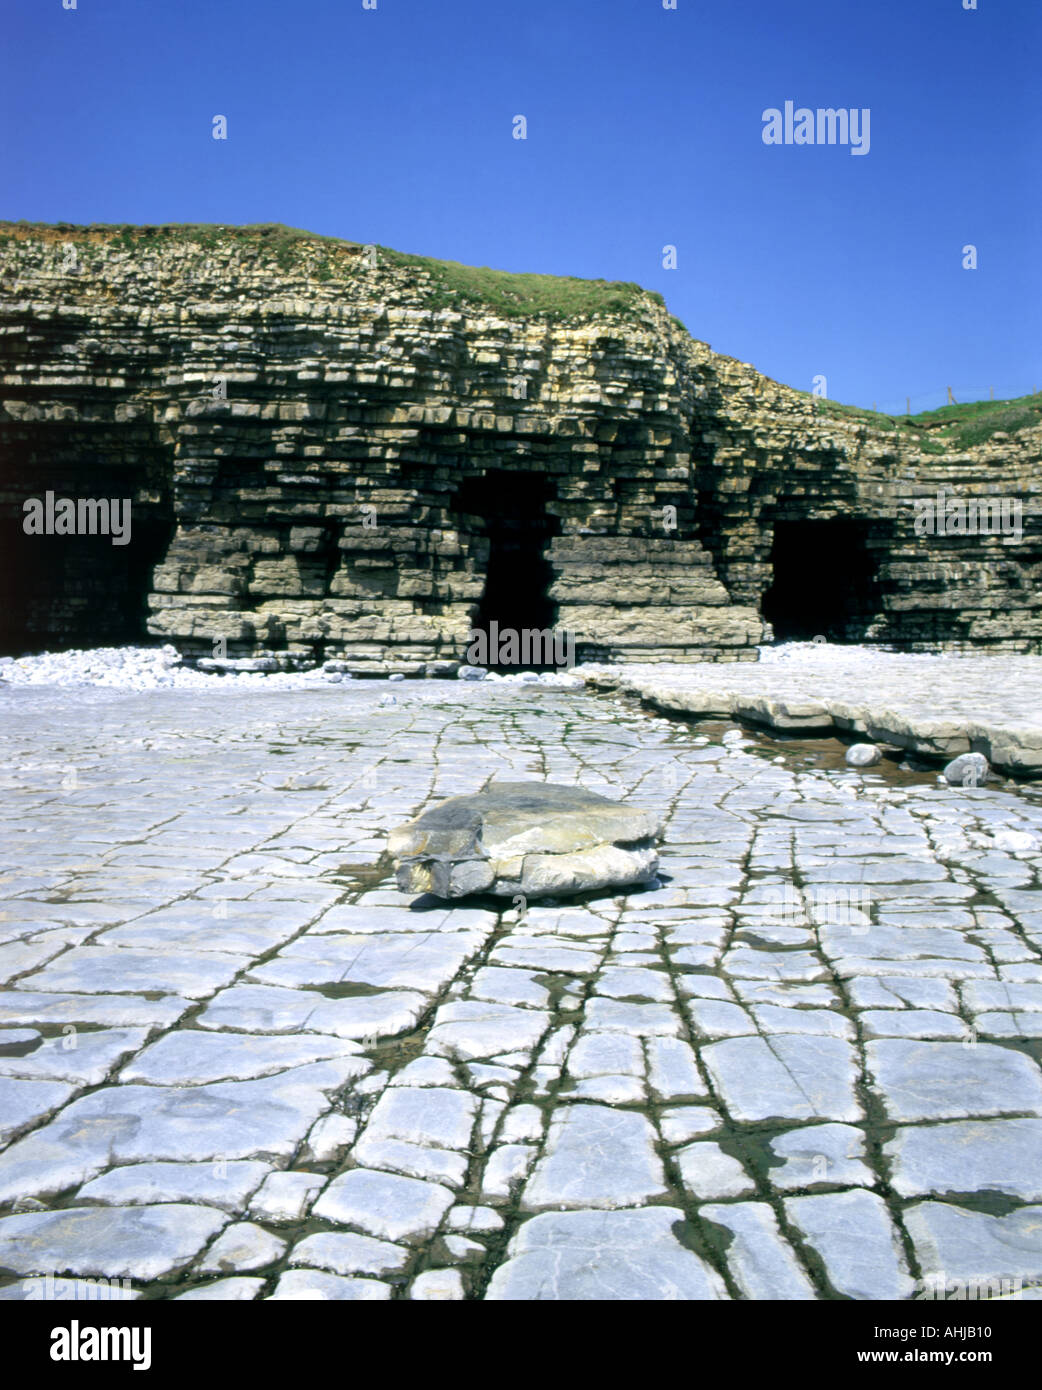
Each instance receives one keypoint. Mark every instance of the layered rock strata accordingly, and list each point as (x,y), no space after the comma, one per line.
(330,456)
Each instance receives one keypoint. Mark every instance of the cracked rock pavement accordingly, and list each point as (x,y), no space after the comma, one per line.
(237,1063)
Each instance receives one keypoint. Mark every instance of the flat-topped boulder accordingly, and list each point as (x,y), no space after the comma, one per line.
(527,838)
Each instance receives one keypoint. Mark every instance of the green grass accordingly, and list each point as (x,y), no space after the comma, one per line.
(965,426)
(526,294)
(952,428)
(288,247)
(450,284)
(838,411)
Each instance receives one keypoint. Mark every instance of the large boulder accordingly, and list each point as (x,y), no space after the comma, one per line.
(528,838)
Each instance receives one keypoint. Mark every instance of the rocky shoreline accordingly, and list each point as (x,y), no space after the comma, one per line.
(155,668)
(811,1046)
(932,706)
(935,707)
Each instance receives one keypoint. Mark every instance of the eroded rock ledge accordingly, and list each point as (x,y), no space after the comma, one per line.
(343,452)
(937,707)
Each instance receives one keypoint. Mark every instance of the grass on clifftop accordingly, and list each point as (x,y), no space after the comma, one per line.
(952,427)
(329,258)
(452,285)
(286,245)
(527,294)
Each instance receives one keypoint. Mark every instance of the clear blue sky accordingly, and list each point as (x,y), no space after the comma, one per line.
(644,129)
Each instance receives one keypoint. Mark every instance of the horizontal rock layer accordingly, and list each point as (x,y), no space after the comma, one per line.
(328,457)
(934,707)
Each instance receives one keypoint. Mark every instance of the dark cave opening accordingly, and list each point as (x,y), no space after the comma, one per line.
(824,580)
(81,590)
(511,512)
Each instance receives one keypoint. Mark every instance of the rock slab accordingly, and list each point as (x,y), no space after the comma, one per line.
(526,838)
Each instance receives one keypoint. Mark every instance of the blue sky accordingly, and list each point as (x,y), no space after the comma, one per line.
(394,126)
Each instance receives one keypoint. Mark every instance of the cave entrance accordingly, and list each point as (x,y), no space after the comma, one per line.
(824,581)
(81,589)
(510,511)
(77,591)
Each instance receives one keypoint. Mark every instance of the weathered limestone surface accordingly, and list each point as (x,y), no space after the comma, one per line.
(319,453)
(722,1085)
(940,707)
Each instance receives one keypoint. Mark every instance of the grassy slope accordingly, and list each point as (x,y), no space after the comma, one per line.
(953,427)
(521,295)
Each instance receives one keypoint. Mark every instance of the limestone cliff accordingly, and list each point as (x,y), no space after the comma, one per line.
(342,452)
